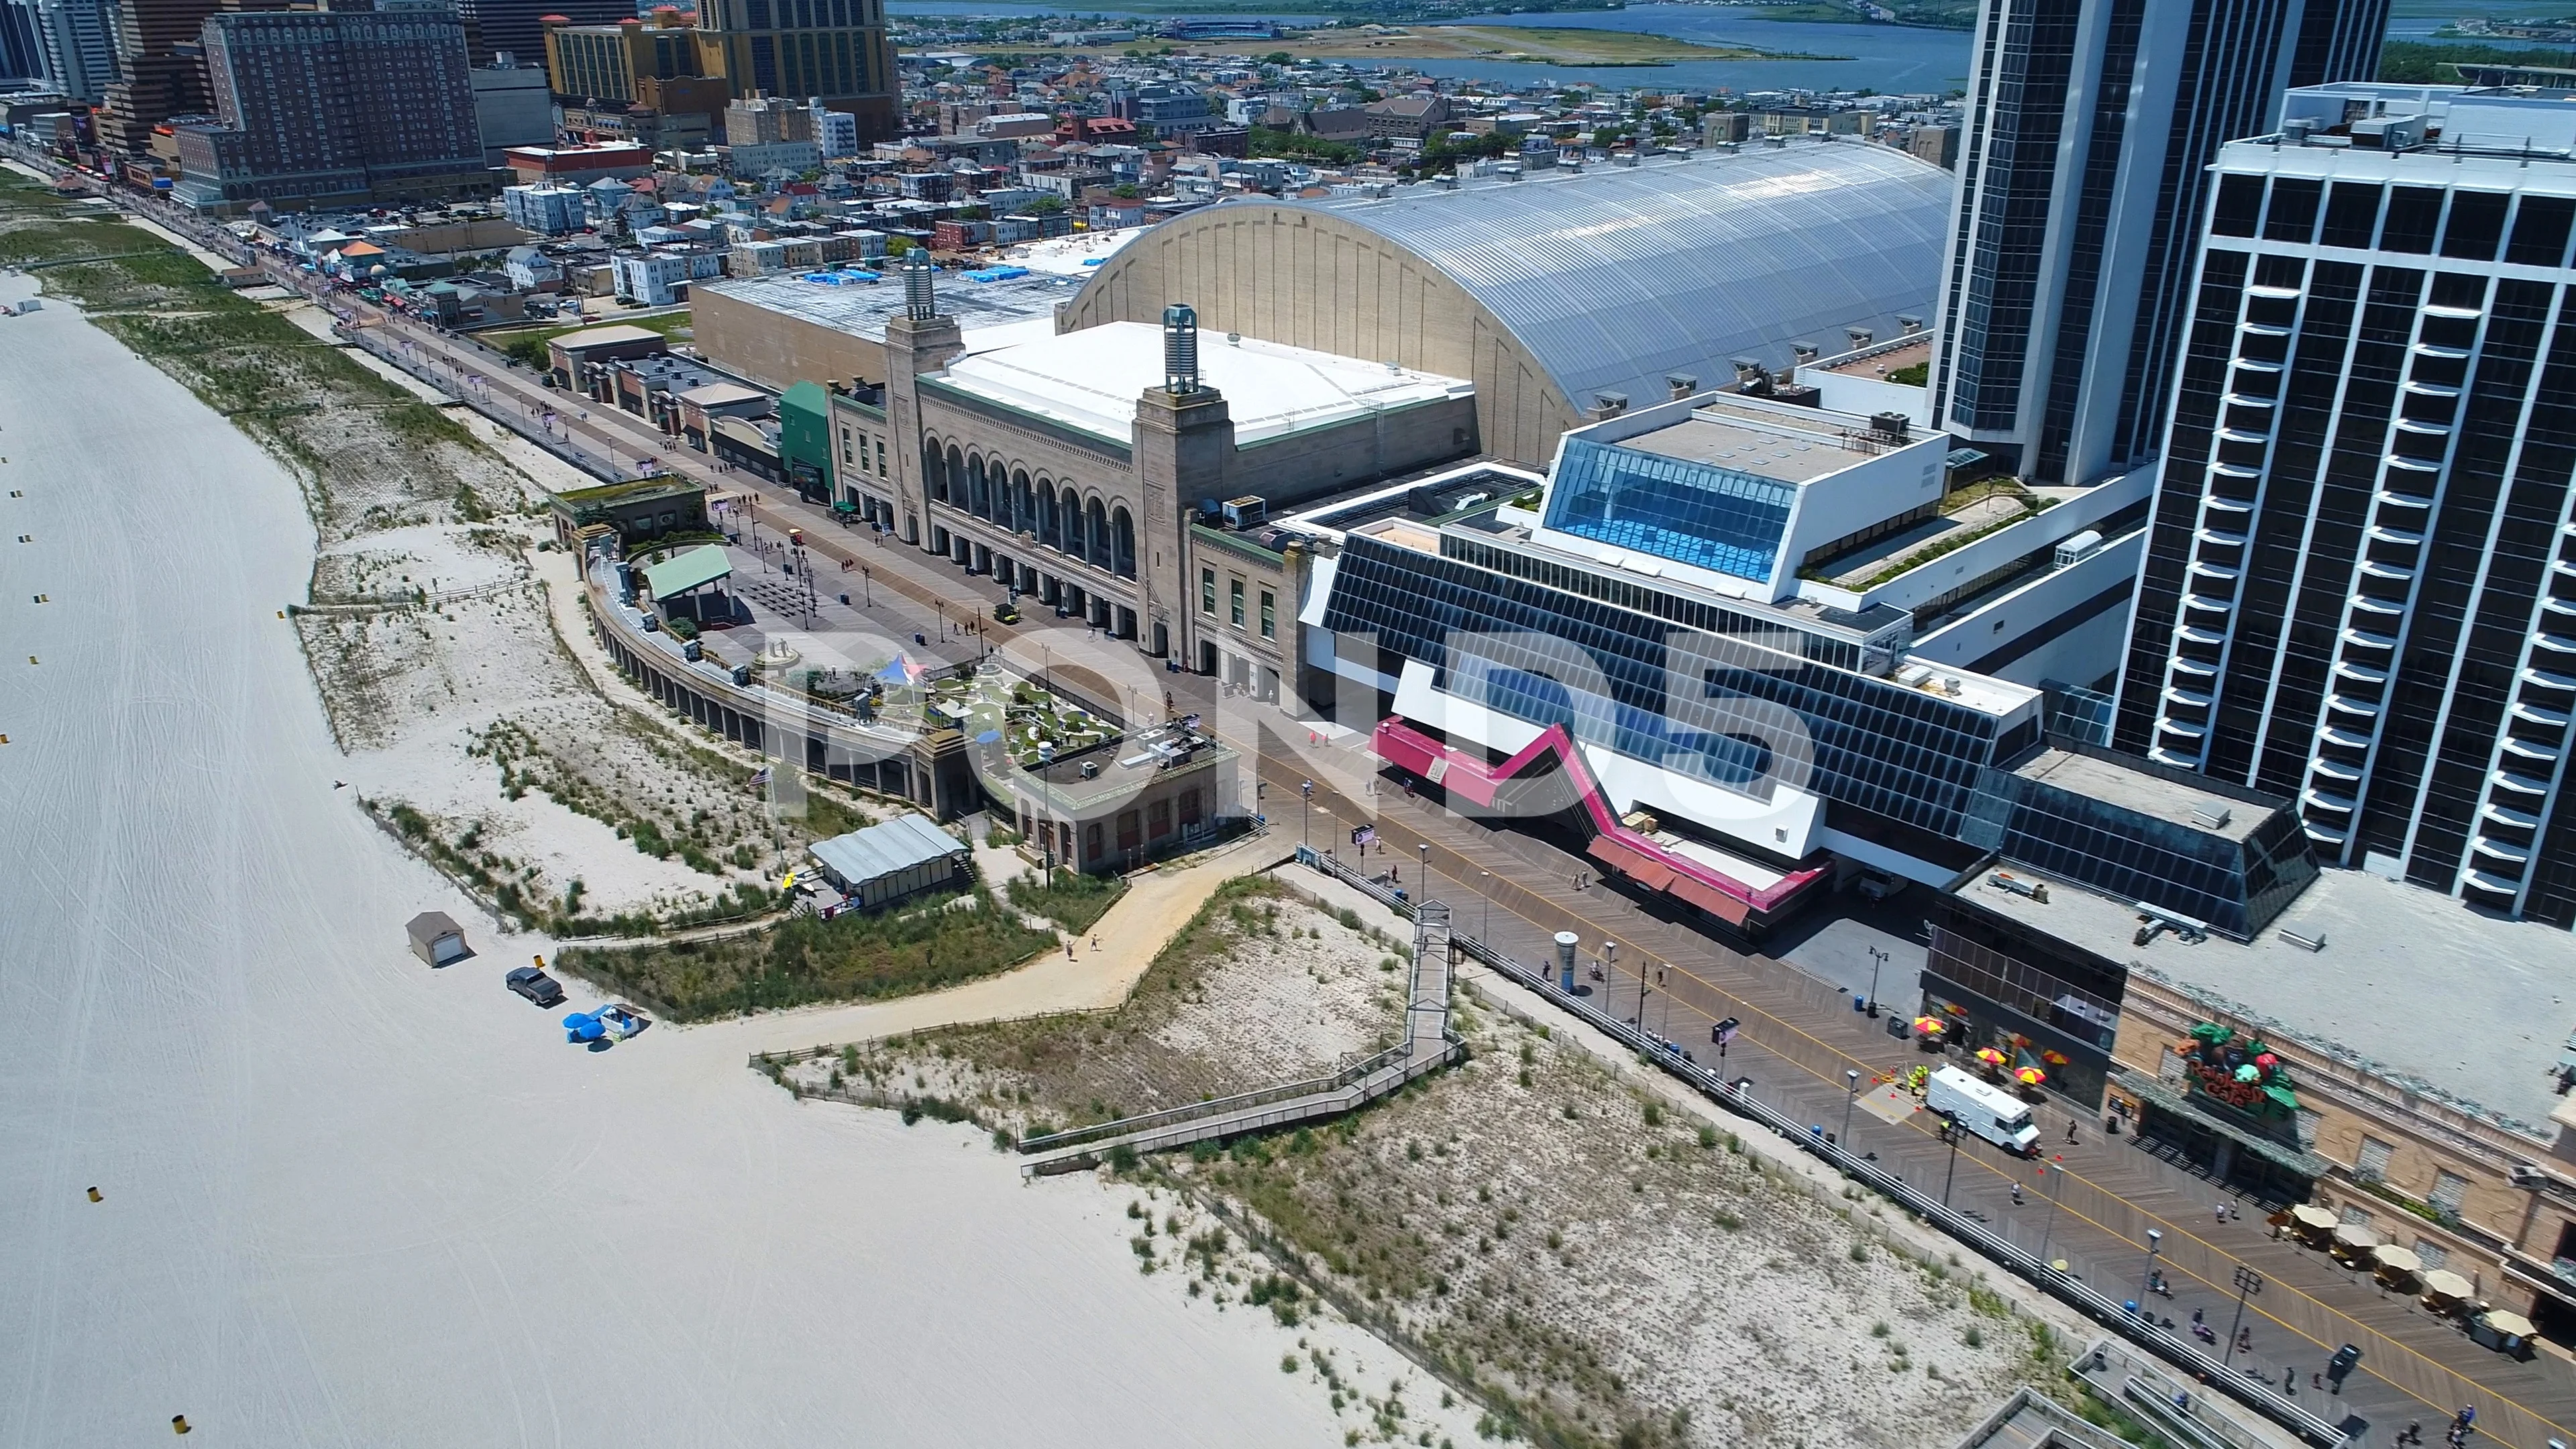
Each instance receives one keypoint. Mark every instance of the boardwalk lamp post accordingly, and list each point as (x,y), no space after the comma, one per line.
(2248,1283)
(1306,813)
(2056,1186)
(1424,883)
(1951,1132)
(1851,1089)
(1877,959)
(2146,1279)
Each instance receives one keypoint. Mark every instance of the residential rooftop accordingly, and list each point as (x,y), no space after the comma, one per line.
(1091,380)
(1025,305)
(2410,983)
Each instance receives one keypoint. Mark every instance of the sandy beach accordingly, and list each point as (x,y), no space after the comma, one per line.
(346,1199)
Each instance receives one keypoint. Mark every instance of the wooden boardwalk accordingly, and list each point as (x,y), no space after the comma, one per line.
(1798,1039)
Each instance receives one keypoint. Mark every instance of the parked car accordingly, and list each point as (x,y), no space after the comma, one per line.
(536,985)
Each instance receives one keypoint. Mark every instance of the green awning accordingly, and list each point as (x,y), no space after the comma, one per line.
(697,568)
(2279,1154)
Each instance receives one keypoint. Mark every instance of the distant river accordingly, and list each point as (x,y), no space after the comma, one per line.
(1885,57)
(1891,58)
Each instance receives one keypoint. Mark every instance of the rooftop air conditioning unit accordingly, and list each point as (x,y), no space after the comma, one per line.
(2212,815)
(1893,425)
(2524,1174)
(1245,512)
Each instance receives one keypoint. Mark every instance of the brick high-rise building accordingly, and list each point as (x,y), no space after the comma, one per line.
(366,102)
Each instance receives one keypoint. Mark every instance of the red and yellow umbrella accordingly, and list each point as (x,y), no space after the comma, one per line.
(1990,1056)
(1929,1025)
(2053,1058)
(2031,1076)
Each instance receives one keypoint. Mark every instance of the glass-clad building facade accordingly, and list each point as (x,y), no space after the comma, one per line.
(1756,719)
(1722,519)
(2360,585)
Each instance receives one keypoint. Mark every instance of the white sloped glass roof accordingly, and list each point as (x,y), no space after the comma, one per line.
(1618,276)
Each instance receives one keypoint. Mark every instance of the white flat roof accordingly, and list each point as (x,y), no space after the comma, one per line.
(1092,379)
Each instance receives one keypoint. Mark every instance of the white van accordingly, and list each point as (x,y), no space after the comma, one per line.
(1983,1108)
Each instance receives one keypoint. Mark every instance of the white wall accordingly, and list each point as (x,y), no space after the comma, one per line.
(2079,656)
(1870,492)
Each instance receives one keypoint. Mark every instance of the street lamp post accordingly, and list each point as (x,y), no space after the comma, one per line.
(1877,959)
(1306,813)
(2051,1227)
(2155,1245)
(1851,1097)
(1952,1131)
(1485,887)
(2248,1283)
(1424,883)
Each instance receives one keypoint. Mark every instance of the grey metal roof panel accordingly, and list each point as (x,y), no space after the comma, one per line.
(885,848)
(1617,276)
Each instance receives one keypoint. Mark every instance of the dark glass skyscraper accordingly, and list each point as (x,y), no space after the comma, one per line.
(2082,173)
(2360,584)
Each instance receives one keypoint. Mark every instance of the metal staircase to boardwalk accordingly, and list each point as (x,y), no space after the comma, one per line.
(1428,1045)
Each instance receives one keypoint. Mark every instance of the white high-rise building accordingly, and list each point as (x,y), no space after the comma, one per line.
(2360,583)
(2089,126)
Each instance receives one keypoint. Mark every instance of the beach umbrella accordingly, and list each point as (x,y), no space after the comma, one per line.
(1990,1056)
(2031,1076)
(2053,1058)
(2442,1282)
(2510,1324)
(1928,1025)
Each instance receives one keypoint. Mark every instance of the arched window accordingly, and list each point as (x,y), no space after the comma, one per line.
(934,471)
(956,477)
(1122,544)
(1095,534)
(1023,513)
(1073,543)
(979,494)
(1050,524)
